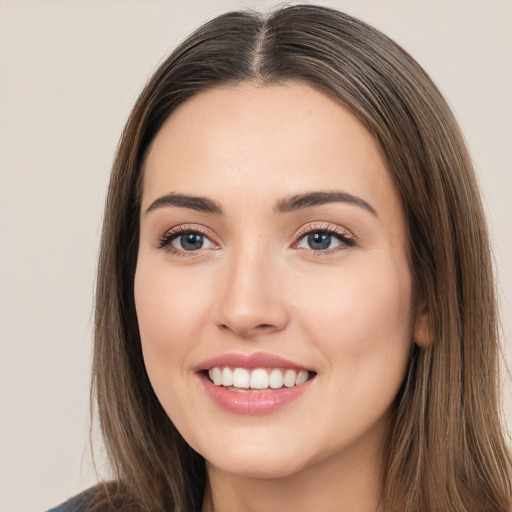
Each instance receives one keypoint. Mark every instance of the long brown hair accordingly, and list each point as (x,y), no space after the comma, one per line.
(446,449)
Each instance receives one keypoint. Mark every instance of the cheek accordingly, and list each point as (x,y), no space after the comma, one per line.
(361,317)
(171,313)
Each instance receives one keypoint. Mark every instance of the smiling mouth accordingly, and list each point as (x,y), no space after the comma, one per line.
(257,379)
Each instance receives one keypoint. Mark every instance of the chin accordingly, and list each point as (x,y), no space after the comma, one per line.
(268,462)
(262,469)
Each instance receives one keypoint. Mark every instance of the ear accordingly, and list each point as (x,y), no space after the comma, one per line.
(422,334)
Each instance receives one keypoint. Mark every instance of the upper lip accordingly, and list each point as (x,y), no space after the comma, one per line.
(249,361)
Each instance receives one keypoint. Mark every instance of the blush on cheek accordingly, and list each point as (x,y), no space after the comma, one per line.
(369,316)
(152,318)
(170,315)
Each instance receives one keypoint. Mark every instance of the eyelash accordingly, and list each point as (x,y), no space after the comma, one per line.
(164,242)
(344,236)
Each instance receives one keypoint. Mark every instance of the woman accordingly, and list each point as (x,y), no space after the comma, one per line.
(295,302)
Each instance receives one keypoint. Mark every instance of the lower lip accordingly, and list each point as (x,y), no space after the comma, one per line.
(253,402)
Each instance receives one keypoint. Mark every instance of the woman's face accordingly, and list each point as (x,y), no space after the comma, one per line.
(273,250)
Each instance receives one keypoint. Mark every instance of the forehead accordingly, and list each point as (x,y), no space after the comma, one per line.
(265,141)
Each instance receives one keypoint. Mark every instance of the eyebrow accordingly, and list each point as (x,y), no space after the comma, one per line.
(309,199)
(200,204)
(286,205)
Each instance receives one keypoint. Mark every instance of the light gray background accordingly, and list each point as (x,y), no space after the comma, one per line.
(70,71)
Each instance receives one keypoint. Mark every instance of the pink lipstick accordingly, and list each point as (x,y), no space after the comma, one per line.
(258,383)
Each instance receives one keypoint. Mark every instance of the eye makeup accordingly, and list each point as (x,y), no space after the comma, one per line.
(187,235)
(318,238)
(320,233)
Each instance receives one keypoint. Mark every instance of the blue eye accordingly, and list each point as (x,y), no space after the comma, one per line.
(319,241)
(182,241)
(325,240)
(188,241)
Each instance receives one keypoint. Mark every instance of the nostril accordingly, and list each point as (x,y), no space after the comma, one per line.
(265,327)
(248,331)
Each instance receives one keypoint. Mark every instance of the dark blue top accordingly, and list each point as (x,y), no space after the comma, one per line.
(103,497)
(74,504)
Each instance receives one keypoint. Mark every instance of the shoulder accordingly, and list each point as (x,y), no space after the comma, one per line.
(78,503)
(104,497)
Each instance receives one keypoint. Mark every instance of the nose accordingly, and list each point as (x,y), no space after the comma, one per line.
(252,301)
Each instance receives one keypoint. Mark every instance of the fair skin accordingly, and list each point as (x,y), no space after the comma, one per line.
(325,285)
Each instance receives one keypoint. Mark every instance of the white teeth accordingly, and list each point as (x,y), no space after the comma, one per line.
(241,378)
(227,377)
(216,375)
(289,378)
(276,379)
(301,378)
(259,378)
